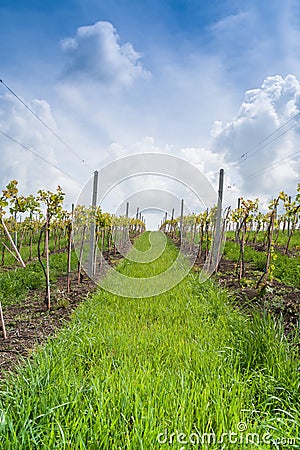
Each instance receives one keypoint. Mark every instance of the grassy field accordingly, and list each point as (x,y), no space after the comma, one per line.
(177,370)
(286,268)
(10,261)
(281,239)
(16,283)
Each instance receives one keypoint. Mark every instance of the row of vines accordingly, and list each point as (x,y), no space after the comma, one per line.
(246,225)
(34,227)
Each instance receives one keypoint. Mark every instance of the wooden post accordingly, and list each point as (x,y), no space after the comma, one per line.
(237,224)
(48,294)
(16,232)
(164,222)
(13,244)
(2,322)
(69,231)
(289,219)
(80,254)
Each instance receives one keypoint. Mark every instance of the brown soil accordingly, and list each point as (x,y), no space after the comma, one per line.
(260,247)
(29,323)
(279,299)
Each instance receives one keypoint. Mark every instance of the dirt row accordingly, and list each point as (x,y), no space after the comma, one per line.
(280,300)
(29,324)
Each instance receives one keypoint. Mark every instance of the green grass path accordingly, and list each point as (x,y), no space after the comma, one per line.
(135,373)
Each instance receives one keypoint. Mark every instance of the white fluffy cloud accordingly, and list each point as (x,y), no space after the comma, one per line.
(28,166)
(243,140)
(263,111)
(172,112)
(96,52)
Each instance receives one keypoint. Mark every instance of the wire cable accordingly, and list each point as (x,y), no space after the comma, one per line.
(257,147)
(275,164)
(36,154)
(42,121)
(270,135)
(273,140)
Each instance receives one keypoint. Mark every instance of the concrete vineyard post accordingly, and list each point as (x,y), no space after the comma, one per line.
(92,226)
(218,237)
(181,218)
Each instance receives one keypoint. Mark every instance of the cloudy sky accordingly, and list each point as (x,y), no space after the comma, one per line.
(214,82)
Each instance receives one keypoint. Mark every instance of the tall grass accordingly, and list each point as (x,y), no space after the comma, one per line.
(16,283)
(10,261)
(127,373)
(280,240)
(286,268)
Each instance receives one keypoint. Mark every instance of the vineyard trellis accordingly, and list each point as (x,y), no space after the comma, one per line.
(248,220)
(34,227)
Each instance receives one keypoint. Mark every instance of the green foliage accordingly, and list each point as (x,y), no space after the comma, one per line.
(15,284)
(52,200)
(286,269)
(124,370)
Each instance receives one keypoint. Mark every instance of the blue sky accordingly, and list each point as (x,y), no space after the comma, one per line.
(203,80)
(252,32)
(31,31)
